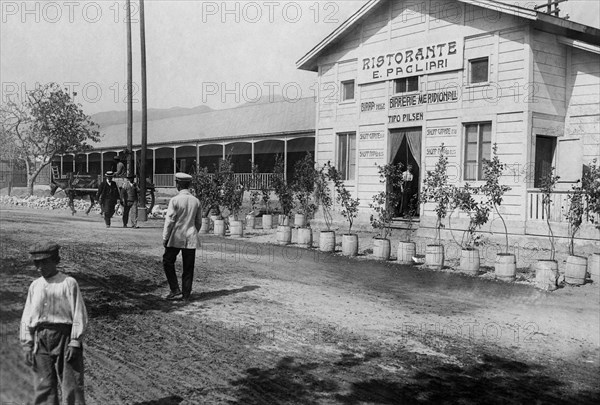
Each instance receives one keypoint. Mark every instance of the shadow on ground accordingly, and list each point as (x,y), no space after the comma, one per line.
(492,380)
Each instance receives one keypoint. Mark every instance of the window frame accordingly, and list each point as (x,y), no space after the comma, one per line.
(470,78)
(343,98)
(405,80)
(345,168)
(479,175)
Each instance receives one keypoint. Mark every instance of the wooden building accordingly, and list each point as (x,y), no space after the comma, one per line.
(252,133)
(400,78)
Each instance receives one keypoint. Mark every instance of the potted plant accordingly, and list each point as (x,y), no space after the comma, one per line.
(286,202)
(384,204)
(505,267)
(591,188)
(304,186)
(254,197)
(478,214)
(546,270)
(407,249)
(207,194)
(576,267)
(232,196)
(324,201)
(267,218)
(436,190)
(349,210)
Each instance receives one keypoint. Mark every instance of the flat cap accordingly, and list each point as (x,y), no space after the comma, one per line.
(109,174)
(43,250)
(183,177)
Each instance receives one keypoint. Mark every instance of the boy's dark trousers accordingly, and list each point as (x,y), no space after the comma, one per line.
(188,257)
(51,368)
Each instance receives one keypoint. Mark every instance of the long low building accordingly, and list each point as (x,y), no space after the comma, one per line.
(468,74)
(250,134)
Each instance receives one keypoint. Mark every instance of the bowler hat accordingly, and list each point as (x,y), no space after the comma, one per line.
(43,250)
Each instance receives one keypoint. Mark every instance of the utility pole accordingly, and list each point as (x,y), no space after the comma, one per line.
(144,216)
(129,153)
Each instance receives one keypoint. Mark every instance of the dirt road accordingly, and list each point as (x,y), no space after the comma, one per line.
(273,325)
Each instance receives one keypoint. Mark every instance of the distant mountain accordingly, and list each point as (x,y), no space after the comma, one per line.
(107,118)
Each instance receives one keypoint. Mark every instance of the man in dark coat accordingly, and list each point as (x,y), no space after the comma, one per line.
(108,195)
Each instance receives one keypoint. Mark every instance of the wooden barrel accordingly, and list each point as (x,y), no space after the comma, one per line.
(575,270)
(593,268)
(469,261)
(249,221)
(284,235)
(236,229)
(406,252)
(381,249)
(219,227)
(205,226)
(434,257)
(546,274)
(505,267)
(350,244)
(305,238)
(300,220)
(327,241)
(267,221)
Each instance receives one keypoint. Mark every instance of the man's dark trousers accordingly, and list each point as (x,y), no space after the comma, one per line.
(188,257)
(51,368)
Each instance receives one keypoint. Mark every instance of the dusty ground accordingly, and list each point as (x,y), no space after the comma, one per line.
(274,325)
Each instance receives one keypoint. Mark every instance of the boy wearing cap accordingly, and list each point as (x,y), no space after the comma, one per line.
(108,195)
(52,326)
(180,233)
(129,196)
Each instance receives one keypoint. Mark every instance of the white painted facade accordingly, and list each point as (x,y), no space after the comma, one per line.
(543,80)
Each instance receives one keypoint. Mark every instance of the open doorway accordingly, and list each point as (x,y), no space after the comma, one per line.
(405,148)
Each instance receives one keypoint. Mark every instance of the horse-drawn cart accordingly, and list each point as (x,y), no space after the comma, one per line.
(82,185)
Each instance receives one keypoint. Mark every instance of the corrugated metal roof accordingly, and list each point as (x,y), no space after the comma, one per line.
(240,122)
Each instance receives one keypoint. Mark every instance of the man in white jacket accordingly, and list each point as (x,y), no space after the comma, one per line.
(180,233)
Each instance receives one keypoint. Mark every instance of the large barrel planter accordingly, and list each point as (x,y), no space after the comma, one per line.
(249,221)
(236,229)
(327,241)
(300,220)
(593,268)
(350,244)
(575,270)
(505,267)
(469,261)
(546,274)
(406,252)
(284,235)
(305,238)
(283,220)
(381,249)
(219,227)
(434,257)
(205,226)
(267,222)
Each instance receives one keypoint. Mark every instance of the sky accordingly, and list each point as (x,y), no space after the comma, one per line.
(217,53)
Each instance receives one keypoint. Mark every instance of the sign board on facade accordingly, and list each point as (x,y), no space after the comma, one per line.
(419,60)
(370,154)
(436,151)
(408,117)
(423,98)
(368,106)
(371,136)
(442,131)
